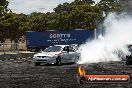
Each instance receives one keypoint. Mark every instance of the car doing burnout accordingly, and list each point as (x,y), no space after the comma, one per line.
(57,54)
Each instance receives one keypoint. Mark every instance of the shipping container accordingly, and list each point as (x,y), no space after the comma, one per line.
(40,40)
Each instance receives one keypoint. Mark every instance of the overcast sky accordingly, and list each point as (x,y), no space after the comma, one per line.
(29,6)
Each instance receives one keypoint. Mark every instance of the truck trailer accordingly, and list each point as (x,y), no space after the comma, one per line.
(36,41)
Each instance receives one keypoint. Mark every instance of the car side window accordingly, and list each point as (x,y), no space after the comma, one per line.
(66,48)
(71,49)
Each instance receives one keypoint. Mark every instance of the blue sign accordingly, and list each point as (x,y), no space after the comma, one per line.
(49,38)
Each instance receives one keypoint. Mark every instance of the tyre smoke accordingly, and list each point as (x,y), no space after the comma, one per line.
(113,45)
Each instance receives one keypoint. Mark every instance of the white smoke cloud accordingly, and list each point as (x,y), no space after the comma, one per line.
(118,35)
(96,1)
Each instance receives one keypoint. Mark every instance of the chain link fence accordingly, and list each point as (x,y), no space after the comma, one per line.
(10,48)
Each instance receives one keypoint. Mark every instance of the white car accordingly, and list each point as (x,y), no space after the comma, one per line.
(57,54)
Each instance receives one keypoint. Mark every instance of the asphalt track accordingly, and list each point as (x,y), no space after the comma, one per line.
(22,73)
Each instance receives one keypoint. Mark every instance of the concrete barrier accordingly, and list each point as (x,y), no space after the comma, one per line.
(15,55)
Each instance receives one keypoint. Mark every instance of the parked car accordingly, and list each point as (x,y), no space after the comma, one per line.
(57,54)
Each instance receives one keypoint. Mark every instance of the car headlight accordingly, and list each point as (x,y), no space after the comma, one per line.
(34,56)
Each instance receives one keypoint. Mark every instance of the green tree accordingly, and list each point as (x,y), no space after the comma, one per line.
(10,25)
(36,22)
(108,6)
(80,14)
(3,6)
(42,21)
(3,10)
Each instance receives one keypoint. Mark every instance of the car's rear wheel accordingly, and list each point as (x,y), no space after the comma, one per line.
(37,63)
(58,60)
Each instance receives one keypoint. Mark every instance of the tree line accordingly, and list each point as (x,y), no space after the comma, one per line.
(79,14)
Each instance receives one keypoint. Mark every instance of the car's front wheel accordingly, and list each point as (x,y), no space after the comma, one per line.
(58,60)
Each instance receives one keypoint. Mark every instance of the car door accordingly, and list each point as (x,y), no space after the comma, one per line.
(65,56)
(69,54)
(72,54)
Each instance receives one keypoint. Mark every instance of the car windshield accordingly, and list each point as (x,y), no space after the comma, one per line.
(53,49)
